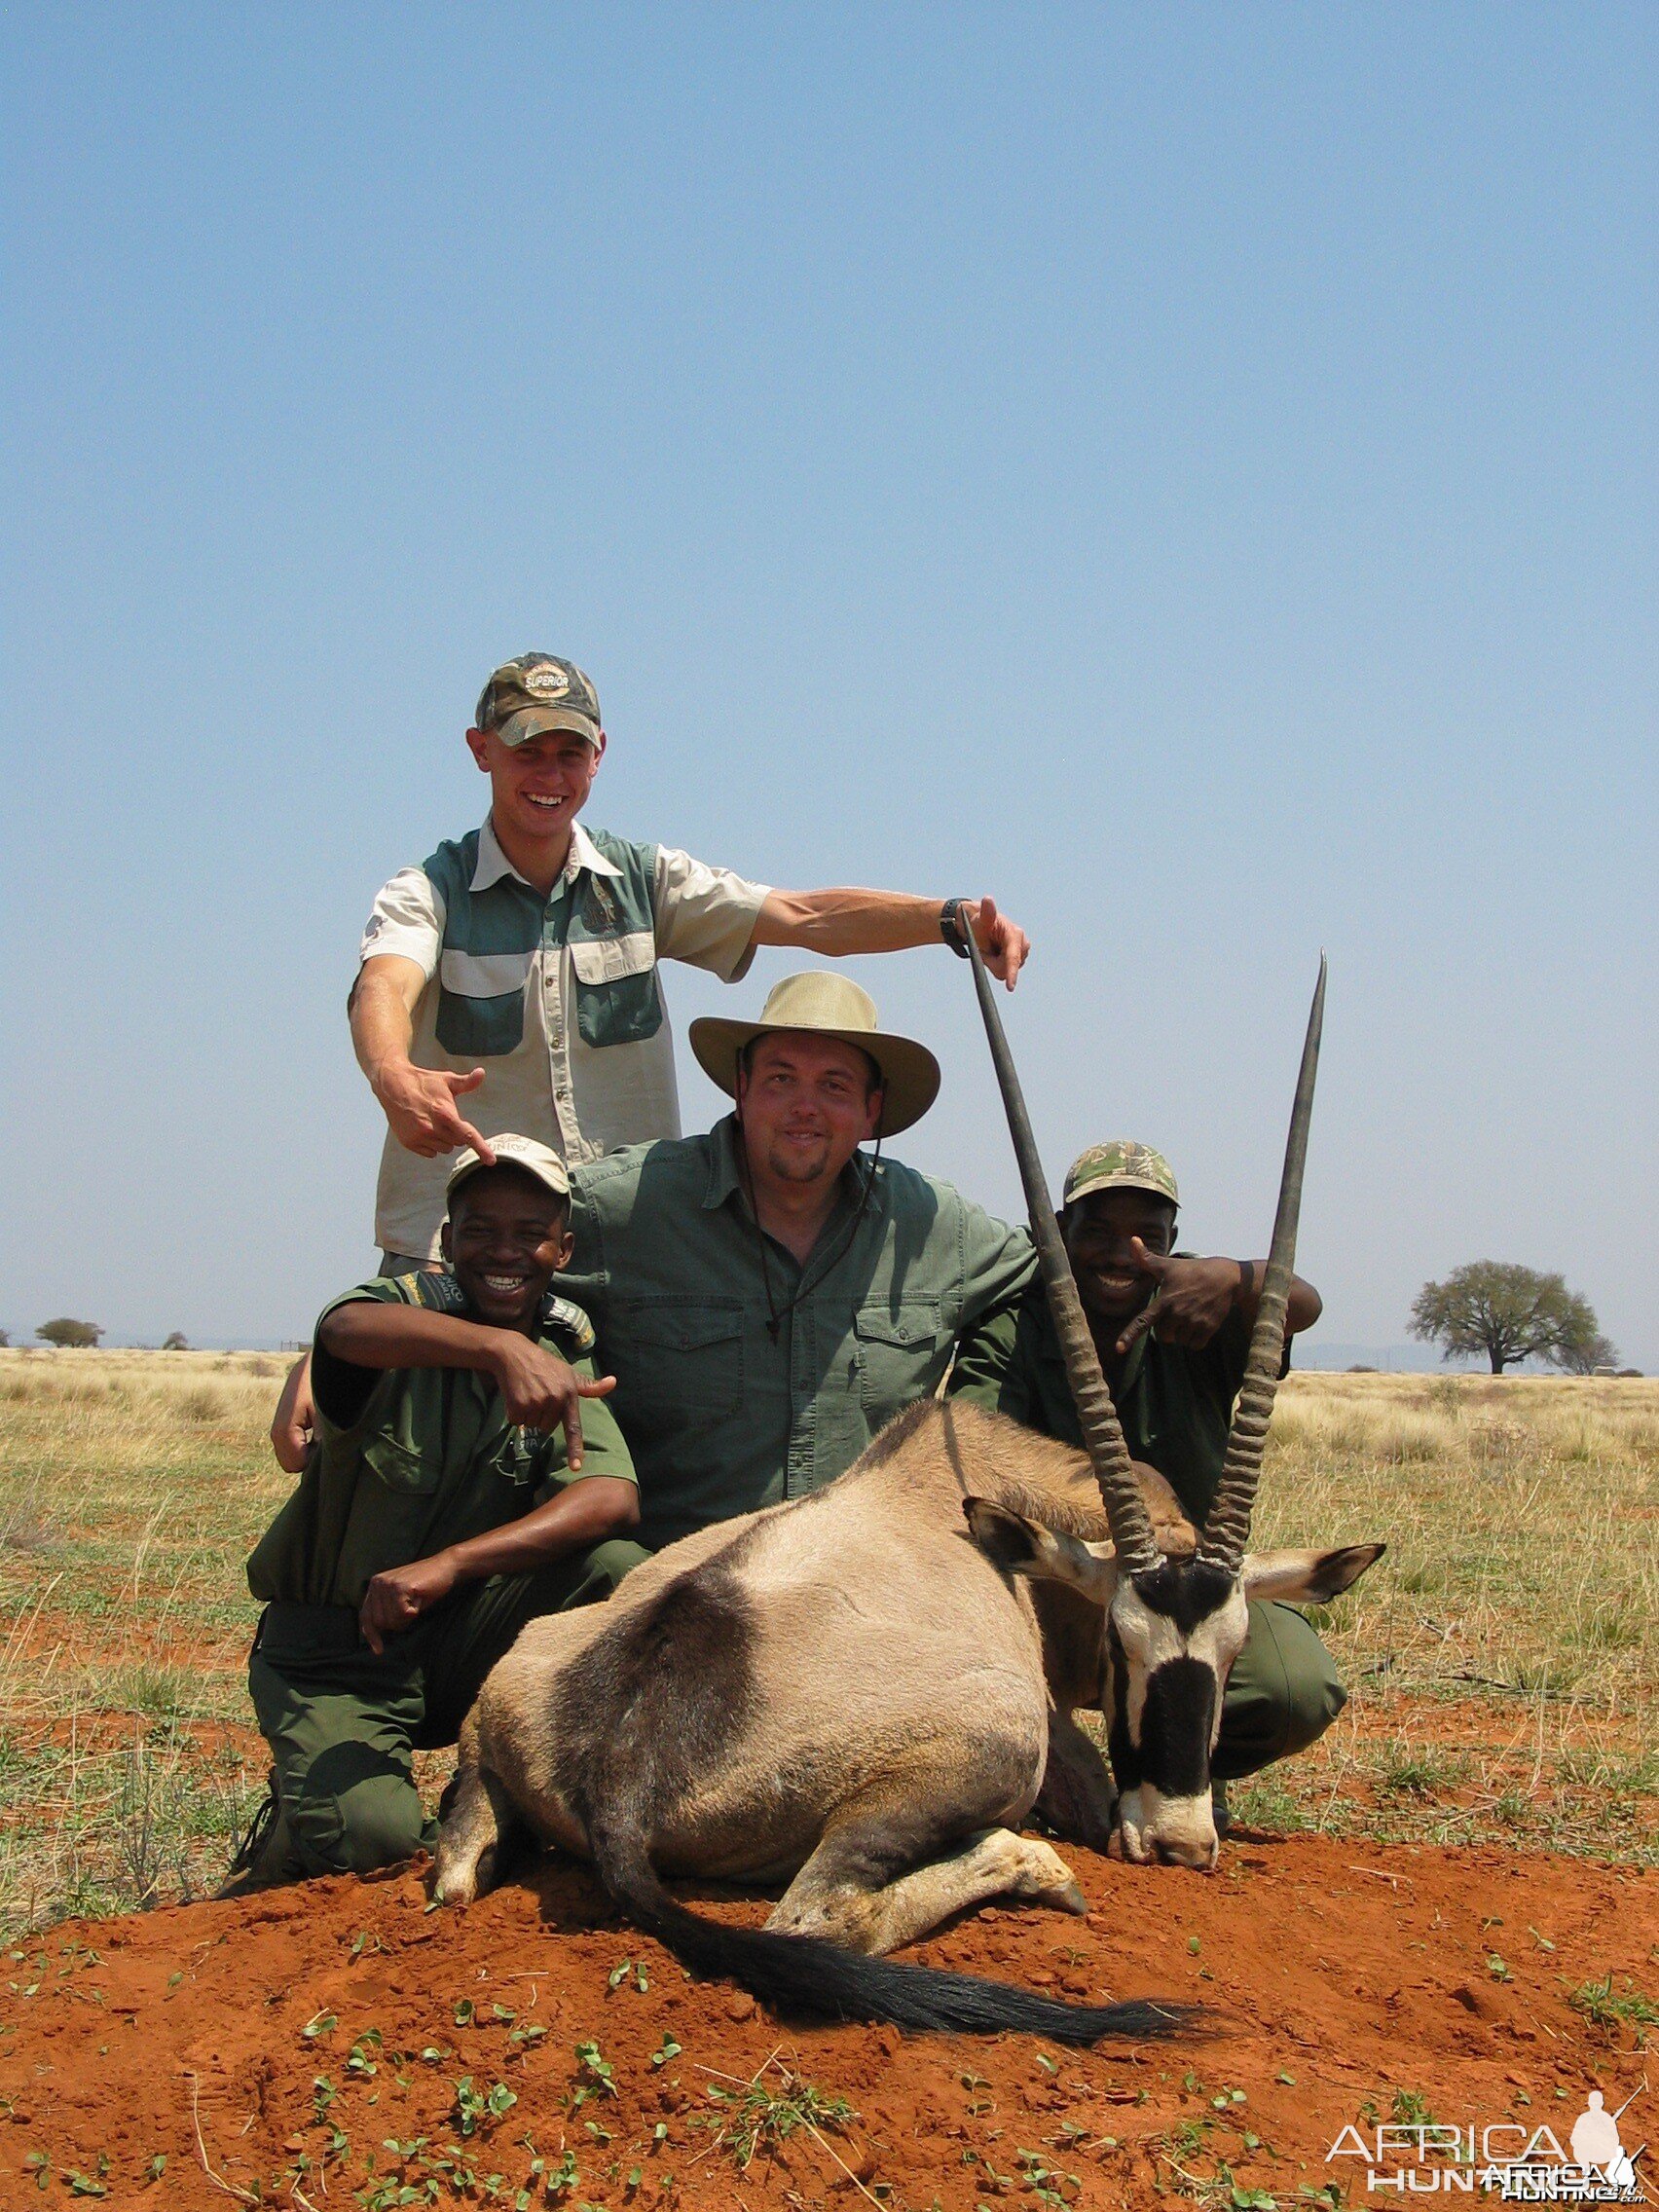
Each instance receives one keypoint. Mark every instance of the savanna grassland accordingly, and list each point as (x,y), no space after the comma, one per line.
(1504,1658)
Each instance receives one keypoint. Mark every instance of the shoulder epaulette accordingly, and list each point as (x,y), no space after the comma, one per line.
(564,1316)
(439,1293)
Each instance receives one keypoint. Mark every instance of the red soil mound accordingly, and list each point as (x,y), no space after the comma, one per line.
(273,2047)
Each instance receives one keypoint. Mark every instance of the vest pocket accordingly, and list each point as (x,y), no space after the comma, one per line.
(481,1003)
(617,1000)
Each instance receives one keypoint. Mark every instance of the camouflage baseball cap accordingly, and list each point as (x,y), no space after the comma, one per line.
(1120,1165)
(536,694)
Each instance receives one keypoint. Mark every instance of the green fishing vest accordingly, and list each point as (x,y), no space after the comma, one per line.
(492,937)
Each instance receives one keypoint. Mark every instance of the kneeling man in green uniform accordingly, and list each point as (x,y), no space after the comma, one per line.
(440,1509)
(1172,1332)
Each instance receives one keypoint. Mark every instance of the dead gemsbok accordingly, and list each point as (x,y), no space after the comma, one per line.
(849,1694)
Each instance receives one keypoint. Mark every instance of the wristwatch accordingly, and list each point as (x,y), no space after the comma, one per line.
(952,928)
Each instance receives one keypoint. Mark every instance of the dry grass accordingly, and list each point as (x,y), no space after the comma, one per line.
(1504,1658)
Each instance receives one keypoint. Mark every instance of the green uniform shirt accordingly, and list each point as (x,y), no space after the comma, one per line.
(409,1459)
(1176,1403)
(721,1415)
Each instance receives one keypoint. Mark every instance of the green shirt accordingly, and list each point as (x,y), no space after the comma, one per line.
(1176,1403)
(721,1414)
(408,1459)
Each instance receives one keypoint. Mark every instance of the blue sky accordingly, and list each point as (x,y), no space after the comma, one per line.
(1189,471)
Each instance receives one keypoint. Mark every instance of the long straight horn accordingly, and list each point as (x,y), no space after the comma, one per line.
(1102,1432)
(1227,1531)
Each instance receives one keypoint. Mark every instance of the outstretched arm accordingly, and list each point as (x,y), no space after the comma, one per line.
(850,920)
(541,1391)
(1193,1298)
(419,1103)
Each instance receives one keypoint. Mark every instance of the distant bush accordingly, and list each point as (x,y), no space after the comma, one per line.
(1357,1370)
(177,1342)
(75,1336)
(1629,1374)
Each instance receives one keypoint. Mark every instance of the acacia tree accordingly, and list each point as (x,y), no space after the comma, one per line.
(1508,1313)
(74,1335)
(1583,1356)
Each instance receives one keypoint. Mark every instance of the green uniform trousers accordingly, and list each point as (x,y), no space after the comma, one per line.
(1282,1695)
(341,1725)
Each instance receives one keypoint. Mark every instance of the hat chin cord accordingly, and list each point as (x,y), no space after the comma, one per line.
(778,1314)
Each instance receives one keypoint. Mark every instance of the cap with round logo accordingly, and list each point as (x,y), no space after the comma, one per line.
(535,694)
(1120,1165)
(511,1151)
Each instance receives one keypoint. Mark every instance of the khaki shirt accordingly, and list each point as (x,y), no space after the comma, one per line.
(721,1414)
(410,1459)
(572,1034)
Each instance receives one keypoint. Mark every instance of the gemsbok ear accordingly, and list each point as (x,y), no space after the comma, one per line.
(1308,1577)
(1019,1546)
(1007,1539)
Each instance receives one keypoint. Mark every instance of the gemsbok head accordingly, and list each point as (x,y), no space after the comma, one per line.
(1173,1624)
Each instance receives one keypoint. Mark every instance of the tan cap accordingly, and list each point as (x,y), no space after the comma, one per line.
(538,1159)
(826,1006)
(535,694)
(1120,1165)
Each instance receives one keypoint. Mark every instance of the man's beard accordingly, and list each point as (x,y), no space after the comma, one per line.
(793,1168)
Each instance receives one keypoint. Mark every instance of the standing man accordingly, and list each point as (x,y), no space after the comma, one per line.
(510,981)
(1173,1333)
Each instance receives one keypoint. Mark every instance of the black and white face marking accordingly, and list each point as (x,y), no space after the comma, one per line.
(1172,1636)
(1171,1639)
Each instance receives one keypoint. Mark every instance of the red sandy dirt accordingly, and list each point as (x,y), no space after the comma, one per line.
(1334,1973)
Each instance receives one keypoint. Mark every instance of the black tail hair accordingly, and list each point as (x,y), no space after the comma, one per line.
(805,1973)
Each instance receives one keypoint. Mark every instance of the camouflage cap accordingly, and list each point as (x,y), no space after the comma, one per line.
(535,694)
(1120,1165)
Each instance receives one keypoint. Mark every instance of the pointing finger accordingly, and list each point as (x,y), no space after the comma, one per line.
(1138,1327)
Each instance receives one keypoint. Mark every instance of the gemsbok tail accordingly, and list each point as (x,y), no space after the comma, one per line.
(806,1975)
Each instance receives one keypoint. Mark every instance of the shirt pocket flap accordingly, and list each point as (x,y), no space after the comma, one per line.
(399,1468)
(688,1330)
(609,959)
(484,974)
(914,1323)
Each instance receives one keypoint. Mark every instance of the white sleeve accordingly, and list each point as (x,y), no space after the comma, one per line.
(407,919)
(706,915)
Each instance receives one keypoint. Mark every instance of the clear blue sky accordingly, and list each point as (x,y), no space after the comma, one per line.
(1187,470)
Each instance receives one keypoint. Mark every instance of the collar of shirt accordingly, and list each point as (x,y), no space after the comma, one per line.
(493,863)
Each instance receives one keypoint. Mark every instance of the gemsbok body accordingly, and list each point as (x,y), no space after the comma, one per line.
(861,1694)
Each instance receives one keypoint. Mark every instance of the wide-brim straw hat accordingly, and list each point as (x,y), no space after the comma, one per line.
(821,1005)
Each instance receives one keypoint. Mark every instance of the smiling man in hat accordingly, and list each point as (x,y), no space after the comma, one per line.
(512,979)
(770,1294)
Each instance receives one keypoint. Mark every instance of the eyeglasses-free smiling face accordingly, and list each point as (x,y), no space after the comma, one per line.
(536,788)
(506,1239)
(1100,1233)
(806,1104)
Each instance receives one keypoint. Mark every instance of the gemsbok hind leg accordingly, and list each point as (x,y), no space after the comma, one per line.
(850,1890)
